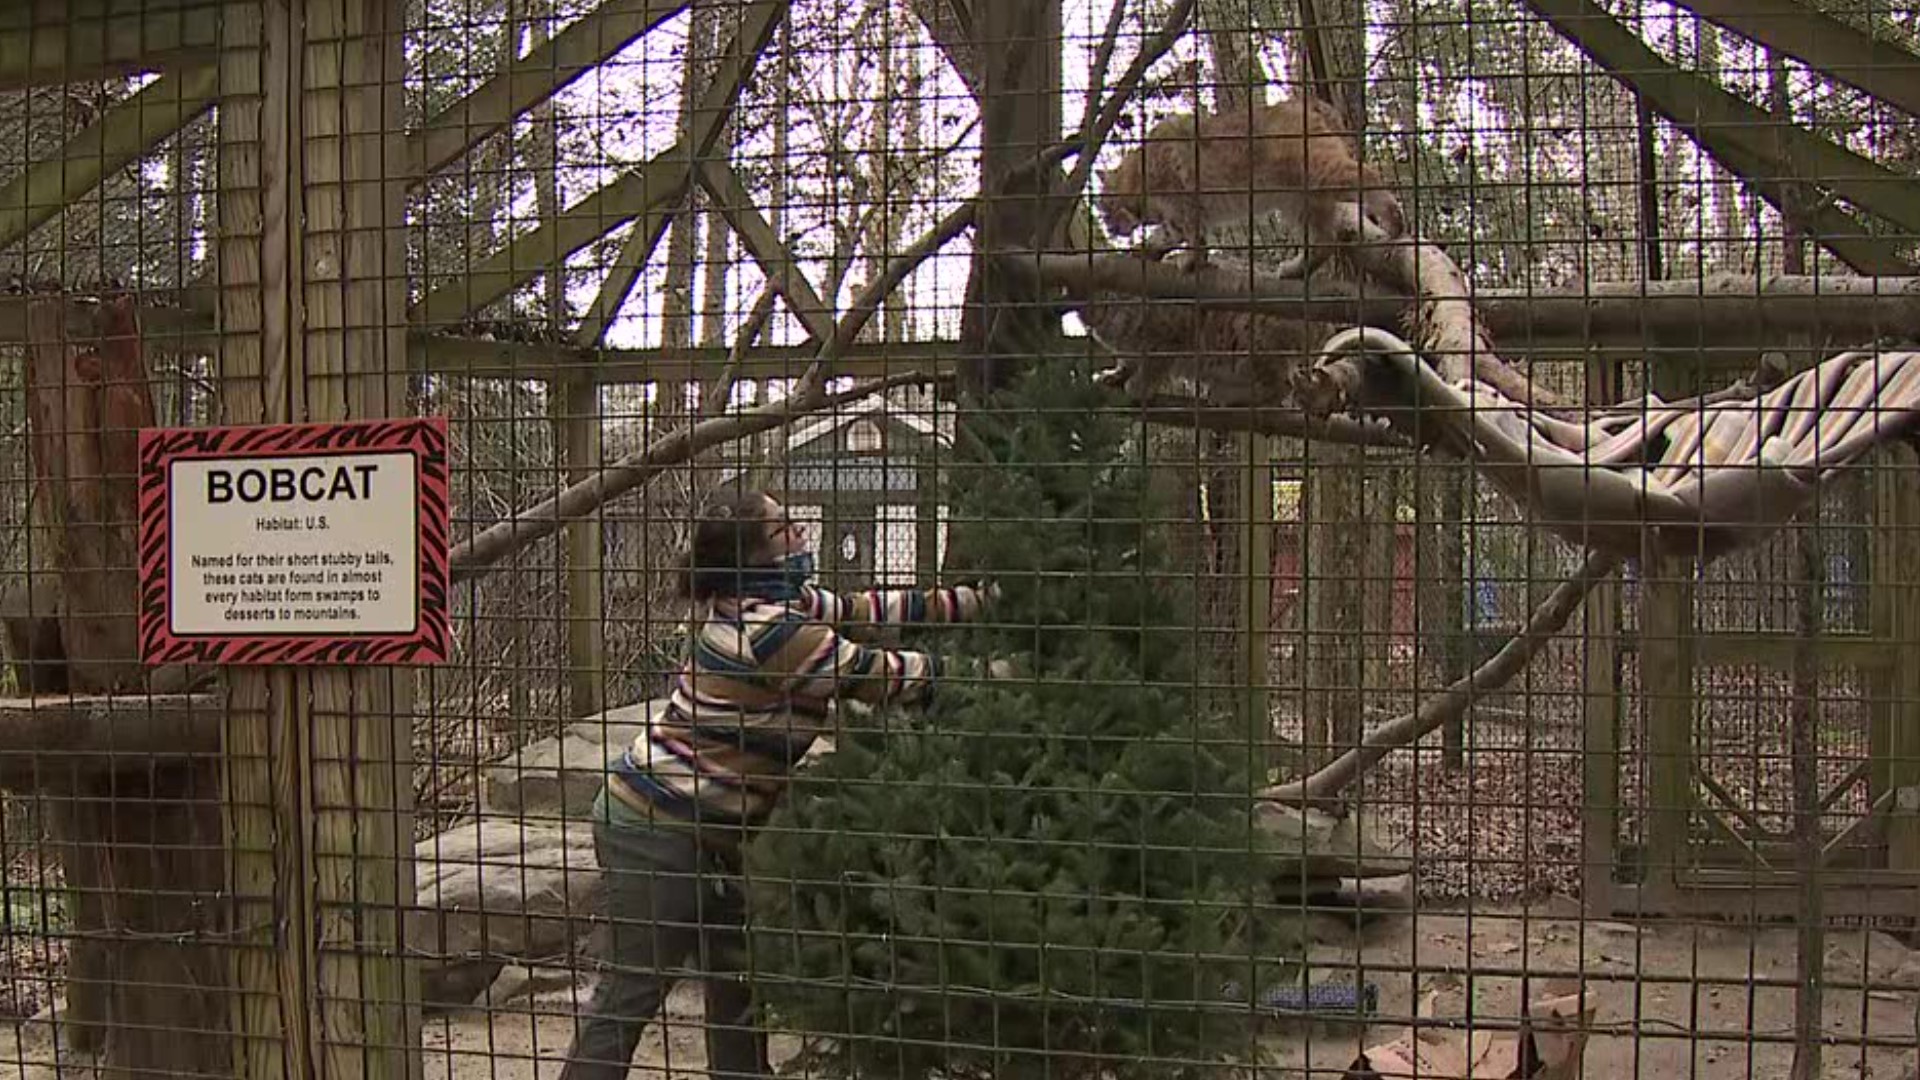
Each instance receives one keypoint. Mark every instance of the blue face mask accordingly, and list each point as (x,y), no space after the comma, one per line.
(781,581)
(798,568)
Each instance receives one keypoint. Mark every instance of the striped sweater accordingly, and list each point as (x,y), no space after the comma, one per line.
(757,688)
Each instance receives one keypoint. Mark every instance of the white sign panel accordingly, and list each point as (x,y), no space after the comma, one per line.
(306,545)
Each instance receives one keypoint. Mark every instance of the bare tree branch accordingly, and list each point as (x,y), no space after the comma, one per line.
(1408,728)
(471,559)
(1098,124)
(867,303)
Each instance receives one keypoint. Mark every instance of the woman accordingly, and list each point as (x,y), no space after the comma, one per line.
(765,666)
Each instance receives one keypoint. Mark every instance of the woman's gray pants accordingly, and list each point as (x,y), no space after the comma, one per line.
(672,907)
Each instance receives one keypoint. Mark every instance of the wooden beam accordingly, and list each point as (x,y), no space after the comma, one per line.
(652,186)
(51,42)
(586,44)
(1858,652)
(660,182)
(1749,141)
(1839,50)
(514,360)
(1894,605)
(121,135)
(638,247)
(737,206)
(52,735)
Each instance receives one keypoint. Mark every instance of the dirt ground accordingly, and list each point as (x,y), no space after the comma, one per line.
(1686,989)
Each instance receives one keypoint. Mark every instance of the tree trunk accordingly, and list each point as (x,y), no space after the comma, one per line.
(1334,563)
(137,953)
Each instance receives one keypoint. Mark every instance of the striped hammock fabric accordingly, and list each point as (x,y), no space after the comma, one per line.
(1648,477)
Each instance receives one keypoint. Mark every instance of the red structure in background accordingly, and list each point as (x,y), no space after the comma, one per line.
(1287,581)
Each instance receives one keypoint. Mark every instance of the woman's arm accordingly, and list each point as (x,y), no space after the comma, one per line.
(830,665)
(879,607)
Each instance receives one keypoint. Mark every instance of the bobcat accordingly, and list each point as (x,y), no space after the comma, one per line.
(1293,156)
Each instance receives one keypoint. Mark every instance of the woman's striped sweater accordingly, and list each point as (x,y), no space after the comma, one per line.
(758,687)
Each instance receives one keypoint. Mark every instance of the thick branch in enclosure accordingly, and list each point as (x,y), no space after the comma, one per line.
(44,739)
(1451,328)
(1176,411)
(1409,728)
(1753,144)
(1211,286)
(1739,306)
(594,39)
(1738,311)
(471,559)
(85,410)
(53,42)
(1876,65)
(122,134)
(660,182)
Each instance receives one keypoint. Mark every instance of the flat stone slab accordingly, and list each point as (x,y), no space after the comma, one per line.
(494,891)
(559,777)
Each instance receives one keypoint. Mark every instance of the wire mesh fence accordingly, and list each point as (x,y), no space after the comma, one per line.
(935,587)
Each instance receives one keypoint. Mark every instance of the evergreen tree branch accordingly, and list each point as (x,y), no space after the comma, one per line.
(1404,730)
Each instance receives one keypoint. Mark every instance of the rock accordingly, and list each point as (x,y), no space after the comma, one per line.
(1324,849)
(495,891)
(559,776)
(517,981)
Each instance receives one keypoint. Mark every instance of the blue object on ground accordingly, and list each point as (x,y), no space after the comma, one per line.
(1330,997)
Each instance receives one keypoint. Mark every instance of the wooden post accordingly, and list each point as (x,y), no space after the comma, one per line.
(1333,589)
(1256,603)
(578,437)
(1381,528)
(1600,727)
(1895,613)
(319,785)
(1666,648)
(266,862)
(1455,647)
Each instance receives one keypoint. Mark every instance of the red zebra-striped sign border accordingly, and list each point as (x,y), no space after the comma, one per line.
(424,437)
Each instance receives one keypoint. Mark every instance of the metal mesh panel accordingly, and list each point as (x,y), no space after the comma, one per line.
(1619,805)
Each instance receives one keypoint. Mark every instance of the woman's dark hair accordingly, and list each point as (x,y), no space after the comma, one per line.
(729,533)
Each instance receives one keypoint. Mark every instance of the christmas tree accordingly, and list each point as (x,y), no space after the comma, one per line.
(1053,875)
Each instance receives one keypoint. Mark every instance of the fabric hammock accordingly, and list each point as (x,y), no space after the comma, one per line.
(1688,478)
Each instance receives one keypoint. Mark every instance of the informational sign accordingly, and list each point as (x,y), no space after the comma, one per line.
(295,544)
